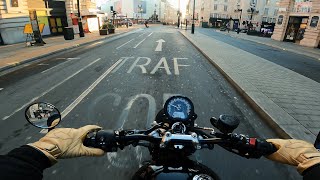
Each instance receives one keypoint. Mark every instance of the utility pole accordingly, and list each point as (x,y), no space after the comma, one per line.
(179,15)
(81,33)
(194,7)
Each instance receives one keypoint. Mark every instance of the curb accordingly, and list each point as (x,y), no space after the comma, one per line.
(274,46)
(259,110)
(4,68)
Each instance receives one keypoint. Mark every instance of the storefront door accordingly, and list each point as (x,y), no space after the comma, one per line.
(56,26)
(1,41)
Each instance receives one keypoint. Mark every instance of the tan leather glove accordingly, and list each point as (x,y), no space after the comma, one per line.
(295,152)
(67,143)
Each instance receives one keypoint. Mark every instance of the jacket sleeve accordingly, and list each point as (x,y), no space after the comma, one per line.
(312,173)
(23,163)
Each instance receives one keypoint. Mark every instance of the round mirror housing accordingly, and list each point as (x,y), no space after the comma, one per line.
(225,123)
(43,115)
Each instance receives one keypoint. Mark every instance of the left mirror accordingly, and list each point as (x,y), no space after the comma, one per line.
(43,115)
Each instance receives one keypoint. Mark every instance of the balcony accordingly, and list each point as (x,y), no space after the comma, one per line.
(301,10)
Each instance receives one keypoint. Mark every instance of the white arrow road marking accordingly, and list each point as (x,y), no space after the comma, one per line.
(48,90)
(159,47)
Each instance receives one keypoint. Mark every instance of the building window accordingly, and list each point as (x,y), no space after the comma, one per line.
(268,2)
(225,8)
(215,7)
(225,1)
(76,6)
(266,11)
(264,19)
(14,3)
(275,12)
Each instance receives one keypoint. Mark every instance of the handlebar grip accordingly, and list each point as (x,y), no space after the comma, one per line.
(104,139)
(265,147)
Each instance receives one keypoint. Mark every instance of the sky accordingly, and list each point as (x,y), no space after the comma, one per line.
(183,4)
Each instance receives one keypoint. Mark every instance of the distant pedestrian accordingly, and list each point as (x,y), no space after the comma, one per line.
(228,27)
(146,24)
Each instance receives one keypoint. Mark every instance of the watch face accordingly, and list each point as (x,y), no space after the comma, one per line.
(179,108)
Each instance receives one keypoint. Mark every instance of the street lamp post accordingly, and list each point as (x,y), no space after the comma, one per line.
(239,25)
(81,33)
(252,9)
(192,26)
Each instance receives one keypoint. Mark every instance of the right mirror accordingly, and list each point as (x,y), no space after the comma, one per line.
(225,123)
(43,115)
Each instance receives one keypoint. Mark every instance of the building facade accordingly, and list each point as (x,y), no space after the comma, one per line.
(89,15)
(133,9)
(13,17)
(298,22)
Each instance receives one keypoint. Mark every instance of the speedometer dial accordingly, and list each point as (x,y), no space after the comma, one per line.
(179,108)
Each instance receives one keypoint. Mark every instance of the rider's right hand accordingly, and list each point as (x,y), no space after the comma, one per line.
(295,152)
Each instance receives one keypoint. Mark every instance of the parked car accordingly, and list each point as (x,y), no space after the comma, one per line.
(125,22)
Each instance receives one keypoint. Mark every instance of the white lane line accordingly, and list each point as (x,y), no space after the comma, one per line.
(61,58)
(47,91)
(142,34)
(1,89)
(125,44)
(87,91)
(68,59)
(150,34)
(96,43)
(139,43)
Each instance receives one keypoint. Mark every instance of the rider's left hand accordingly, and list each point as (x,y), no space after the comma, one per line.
(67,143)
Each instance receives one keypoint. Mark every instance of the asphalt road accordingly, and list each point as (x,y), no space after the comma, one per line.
(124,83)
(304,65)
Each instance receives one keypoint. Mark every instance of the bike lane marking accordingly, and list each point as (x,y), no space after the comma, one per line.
(46,92)
(125,43)
(88,90)
(60,64)
(142,34)
(139,43)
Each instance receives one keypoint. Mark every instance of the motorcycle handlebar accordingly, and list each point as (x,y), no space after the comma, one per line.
(109,141)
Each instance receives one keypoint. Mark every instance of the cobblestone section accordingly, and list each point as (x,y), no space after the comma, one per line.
(291,100)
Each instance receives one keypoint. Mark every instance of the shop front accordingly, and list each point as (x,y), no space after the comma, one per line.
(50,13)
(218,22)
(298,22)
(296,28)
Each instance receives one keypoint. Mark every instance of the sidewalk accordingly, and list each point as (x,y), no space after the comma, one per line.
(17,54)
(287,46)
(288,101)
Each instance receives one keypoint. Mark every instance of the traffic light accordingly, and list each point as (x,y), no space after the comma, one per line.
(111,8)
